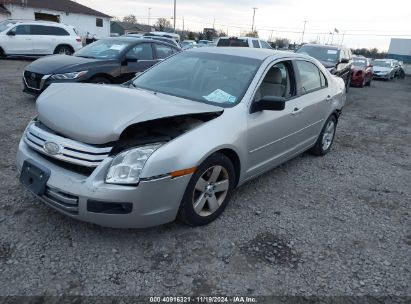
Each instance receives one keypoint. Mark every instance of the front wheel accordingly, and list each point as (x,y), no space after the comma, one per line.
(326,138)
(63,50)
(208,191)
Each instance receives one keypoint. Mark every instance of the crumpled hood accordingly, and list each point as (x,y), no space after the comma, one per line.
(98,114)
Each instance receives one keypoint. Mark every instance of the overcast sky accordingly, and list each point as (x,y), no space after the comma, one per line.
(366,23)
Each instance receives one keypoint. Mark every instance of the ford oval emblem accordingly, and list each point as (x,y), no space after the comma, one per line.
(51,148)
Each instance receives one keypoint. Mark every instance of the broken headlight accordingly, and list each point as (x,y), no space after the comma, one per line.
(126,166)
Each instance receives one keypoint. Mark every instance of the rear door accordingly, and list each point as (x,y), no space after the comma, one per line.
(20,41)
(313,104)
(43,39)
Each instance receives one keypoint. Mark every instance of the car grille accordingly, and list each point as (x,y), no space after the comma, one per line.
(33,80)
(60,200)
(64,149)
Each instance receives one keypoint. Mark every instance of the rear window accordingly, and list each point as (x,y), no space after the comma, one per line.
(233,42)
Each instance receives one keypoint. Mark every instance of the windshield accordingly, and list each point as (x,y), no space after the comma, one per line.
(6,24)
(232,42)
(382,64)
(320,53)
(360,62)
(205,77)
(103,49)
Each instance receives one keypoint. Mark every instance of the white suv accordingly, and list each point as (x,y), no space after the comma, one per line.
(36,38)
(243,42)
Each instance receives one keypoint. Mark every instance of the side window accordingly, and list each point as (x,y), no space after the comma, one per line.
(163,51)
(58,31)
(48,30)
(21,30)
(142,51)
(324,82)
(99,22)
(40,30)
(277,82)
(256,44)
(309,76)
(265,45)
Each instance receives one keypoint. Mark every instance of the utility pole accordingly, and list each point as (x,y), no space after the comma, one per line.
(302,38)
(175,15)
(183,23)
(252,27)
(342,40)
(213,23)
(149,9)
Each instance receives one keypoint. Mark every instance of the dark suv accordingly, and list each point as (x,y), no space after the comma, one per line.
(337,59)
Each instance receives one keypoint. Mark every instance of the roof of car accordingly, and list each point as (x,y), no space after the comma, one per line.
(42,22)
(336,47)
(138,40)
(255,53)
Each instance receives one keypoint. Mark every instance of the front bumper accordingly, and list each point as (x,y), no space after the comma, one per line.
(154,202)
(381,76)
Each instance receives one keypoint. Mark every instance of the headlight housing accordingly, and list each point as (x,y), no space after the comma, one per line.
(68,76)
(126,167)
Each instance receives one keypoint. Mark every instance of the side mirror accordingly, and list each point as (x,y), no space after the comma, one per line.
(131,58)
(11,33)
(269,103)
(344,60)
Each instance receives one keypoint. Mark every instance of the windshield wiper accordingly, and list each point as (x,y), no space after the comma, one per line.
(86,56)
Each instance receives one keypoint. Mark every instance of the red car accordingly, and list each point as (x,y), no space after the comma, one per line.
(362,72)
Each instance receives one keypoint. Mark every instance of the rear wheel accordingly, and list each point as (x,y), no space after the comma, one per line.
(369,81)
(348,83)
(326,138)
(2,55)
(208,191)
(100,80)
(63,50)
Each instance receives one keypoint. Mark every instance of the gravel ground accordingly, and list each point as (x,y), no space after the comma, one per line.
(336,225)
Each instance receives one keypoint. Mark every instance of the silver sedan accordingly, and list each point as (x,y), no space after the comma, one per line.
(178,139)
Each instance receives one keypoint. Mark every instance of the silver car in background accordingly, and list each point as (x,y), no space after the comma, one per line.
(176,140)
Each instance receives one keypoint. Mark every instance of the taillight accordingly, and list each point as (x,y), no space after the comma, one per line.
(78,39)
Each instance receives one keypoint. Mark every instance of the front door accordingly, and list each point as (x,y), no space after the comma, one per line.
(270,133)
(138,59)
(19,41)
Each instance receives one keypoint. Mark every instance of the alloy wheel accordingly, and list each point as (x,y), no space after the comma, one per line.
(210,190)
(328,135)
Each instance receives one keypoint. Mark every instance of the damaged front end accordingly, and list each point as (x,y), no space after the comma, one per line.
(83,158)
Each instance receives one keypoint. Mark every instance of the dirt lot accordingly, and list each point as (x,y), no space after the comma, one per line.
(337,225)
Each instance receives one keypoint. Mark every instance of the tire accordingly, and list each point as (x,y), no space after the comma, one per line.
(63,50)
(347,84)
(2,55)
(326,138)
(100,80)
(363,83)
(216,171)
(368,84)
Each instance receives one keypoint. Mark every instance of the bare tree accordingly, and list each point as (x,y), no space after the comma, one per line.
(162,23)
(130,19)
(281,42)
(251,34)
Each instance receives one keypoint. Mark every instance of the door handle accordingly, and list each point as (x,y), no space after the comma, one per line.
(296,111)
(328,98)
